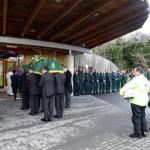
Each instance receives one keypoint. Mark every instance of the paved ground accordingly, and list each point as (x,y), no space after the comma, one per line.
(91,124)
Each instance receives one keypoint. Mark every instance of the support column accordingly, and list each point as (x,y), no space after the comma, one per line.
(70,62)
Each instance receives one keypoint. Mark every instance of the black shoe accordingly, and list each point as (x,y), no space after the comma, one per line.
(66,106)
(50,119)
(31,114)
(44,120)
(41,111)
(135,136)
(144,135)
(23,108)
(55,116)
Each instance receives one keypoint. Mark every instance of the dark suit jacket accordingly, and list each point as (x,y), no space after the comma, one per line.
(47,84)
(68,84)
(14,82)
(33,84)
(23,83)
(60,81)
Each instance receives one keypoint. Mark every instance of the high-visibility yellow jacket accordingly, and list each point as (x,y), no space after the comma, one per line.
(140,87)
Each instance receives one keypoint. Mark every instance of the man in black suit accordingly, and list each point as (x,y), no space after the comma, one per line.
(68,87)
(14,83)
(48,92)
(34,90)
(24,90)
(60,81)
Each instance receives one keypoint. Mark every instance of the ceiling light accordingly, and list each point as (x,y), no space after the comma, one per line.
(58,1)
(11,46)
(96,14)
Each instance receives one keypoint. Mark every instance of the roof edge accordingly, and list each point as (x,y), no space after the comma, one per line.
(30,42)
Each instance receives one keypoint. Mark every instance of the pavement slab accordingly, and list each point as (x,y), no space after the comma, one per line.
(90,124)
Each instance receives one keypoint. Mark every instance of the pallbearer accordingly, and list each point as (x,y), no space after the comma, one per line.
(34,90)
(48,92)
(60,81)
(23,89)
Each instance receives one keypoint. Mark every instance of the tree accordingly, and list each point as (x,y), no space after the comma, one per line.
(128,51)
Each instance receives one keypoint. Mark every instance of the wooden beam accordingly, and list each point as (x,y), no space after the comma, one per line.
(113,13)
(52,23)
(33,15)
(117,29)
(113,24)
(79,19)
(112,37)
(5,8)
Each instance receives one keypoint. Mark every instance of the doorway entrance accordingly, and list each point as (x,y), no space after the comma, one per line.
(1,73)
(5,66)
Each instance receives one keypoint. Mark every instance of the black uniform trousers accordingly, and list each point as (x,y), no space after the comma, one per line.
(59,105)
(48,107)
(68,99)
(25,100)
(138,119)
(34,99)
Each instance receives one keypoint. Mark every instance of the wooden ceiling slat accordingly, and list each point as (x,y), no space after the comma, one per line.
(52,23)
(5,8)
(112,25)
(79,19)
(34,13)
(113,13)
(116,35)
(117,29)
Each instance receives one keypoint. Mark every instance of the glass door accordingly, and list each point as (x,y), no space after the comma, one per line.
(1,73)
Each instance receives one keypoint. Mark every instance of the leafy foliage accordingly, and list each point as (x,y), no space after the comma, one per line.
(126,54)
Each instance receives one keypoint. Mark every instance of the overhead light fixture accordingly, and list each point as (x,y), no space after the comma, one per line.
(11,46)
(83,45)
(32,30)
(96,14)
(58,1)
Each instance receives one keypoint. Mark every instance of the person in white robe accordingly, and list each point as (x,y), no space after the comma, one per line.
(9,87)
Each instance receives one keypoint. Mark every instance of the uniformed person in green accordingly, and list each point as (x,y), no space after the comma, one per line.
(91,84)
(114,81)
(102,83)
(96,82)
(87,83)
(76,81)
(81,78)
(118,81)
(124,78)
(148,74)
(108,81)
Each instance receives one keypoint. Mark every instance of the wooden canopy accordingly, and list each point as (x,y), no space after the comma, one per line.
(86,23)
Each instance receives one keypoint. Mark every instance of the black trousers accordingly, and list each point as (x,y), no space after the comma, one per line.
(59,105)
(25,100)
(48,107)
(138,119)
(68,99)
(34,99)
